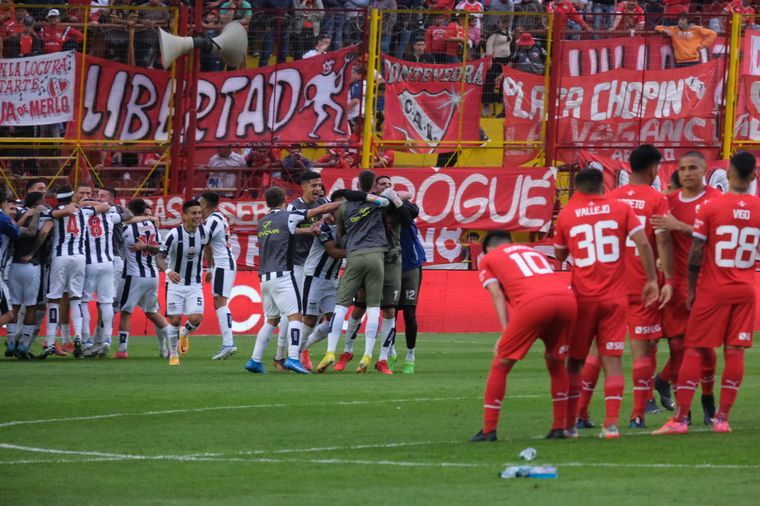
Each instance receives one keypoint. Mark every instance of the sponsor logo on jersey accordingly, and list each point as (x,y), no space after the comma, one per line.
(614,346)
(745,336)
(648,329)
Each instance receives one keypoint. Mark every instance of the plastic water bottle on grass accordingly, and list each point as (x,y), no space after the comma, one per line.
(539,472)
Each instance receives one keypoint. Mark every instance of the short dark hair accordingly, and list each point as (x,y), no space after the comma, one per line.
(589,181)
(744,163)
(644,157)
(382,176)
(33,198)
(494,236)
(190,203)
(136,207)
(33,182)
(366,180)
(211,197)
(323,36)
(110,190)
(694,154)
(274,196)
(65,188)
(675,180)
(309,175)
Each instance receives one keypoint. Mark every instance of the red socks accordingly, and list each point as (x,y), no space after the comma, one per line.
(573,397)
(731,381)
(613,397)
(688,381)
(589,378)
(559,388)
(708,371)
(496,387)
(676,358)
(643,369)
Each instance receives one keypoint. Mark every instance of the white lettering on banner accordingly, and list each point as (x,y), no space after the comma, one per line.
(398,71)
(229,89)
(448,199)
(754,58)
(37,90)
(253,318)
(135,113)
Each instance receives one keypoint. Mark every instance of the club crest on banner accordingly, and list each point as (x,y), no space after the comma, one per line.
(429,114)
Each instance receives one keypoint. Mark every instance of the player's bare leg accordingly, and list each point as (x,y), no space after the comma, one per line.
(190,326)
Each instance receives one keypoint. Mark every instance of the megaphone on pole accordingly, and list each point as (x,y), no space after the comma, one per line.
(231,45)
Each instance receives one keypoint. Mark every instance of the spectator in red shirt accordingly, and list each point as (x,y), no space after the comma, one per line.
(25,43)
(455,40)
(628,16)
(435,37)
(56,37)
(15,25)
(567,18)
(743,7)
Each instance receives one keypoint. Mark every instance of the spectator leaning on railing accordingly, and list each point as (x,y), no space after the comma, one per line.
(567,18)
(629,16)
(56,37)
(687,40)
(117,37)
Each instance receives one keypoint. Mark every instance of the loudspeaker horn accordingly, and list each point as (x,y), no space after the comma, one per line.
(231,45)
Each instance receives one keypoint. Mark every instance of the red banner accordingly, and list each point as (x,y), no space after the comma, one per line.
(305,100)
(588,57)
(451,201)
(433,106)
(620,108)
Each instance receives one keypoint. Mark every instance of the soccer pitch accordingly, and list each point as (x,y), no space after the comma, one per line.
(139,432)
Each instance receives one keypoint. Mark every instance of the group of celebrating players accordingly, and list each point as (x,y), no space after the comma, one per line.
(88,249)
(705,244)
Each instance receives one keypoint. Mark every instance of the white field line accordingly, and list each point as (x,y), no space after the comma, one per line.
(115,457)
(592,433)
(244,406)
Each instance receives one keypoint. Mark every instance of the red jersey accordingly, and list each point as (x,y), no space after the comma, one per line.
(435,39)
(454,31)
(730,225)
(523,272)
(53,38)
(564,10)
(737,7)
(631,19)
(645,202)
(685,210)
(594,228)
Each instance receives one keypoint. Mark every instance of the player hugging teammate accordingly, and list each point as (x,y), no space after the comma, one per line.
(703,298)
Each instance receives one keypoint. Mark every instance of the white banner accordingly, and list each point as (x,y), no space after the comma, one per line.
(38,90)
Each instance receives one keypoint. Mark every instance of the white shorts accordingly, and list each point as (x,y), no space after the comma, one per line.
(24,283)
(140,292)
(5,298)
(66,276)
(281,296)
(184,299)
(300,276)
(319,295)
(222,281)
(118,277)
(99,279)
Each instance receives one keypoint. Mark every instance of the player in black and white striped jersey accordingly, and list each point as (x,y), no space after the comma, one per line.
(99,277)
(68,263)
(320,287)
(181,258)
(141,242)
(221,268)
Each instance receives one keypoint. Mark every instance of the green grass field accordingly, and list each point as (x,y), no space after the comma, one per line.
(138,432)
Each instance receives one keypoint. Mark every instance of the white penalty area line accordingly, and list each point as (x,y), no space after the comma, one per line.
(653,465)
(244,406)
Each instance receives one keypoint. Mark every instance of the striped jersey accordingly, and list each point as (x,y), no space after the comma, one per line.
(319,264)
(141,263)
(220,239)
(25,245)
(99,240)
(118,234)
(70,232)
(184,252)
(9,232)
(303,241)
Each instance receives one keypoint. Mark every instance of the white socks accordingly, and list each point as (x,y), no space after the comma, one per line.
(410,355)
(305,336)
(124,340)
(282,339)
(76,317)
(295,333)
(173,334)
(54,314)
(370,331)
(106,316)
(86,337)
(337,327)
(225,325)
(262,340)
(352,330)
(319,334)
(388,330)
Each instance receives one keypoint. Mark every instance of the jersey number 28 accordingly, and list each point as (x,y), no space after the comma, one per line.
(741,242)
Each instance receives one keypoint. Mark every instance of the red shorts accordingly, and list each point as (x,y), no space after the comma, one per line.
(712,325)
(675,315)
(603,319)
(550,319)
(644,323)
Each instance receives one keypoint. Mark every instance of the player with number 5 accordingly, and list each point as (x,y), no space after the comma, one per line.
(721,292)
(593,229)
